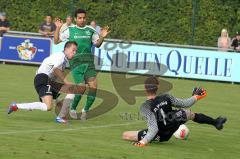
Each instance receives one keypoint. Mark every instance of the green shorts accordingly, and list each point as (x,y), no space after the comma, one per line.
(83,72)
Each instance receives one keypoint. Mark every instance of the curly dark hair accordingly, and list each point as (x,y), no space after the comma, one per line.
(78,11)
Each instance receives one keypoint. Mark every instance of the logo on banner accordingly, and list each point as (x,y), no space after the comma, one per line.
(26,51)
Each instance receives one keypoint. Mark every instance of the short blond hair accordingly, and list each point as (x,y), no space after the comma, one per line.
(224,30)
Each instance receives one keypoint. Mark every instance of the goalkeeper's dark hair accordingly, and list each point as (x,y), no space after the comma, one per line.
(151,85)
(69,44)
(79,11)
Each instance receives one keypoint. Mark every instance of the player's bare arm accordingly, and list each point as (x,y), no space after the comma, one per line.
(104,32)
(58,23)
(60,75)
(69,87)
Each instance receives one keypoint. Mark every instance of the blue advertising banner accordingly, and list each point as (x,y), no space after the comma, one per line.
(25,49)
(168,61)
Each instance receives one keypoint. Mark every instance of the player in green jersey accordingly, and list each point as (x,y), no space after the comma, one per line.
(82,65)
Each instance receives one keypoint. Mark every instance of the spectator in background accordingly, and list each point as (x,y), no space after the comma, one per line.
(48,27)
(224,42)
(236,42)
(95,26)
(67,24)
(4,24)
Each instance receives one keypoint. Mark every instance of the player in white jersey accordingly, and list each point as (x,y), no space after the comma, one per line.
(45,80)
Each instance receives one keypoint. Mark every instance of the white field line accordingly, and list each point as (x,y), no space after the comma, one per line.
(203,129)
(64,130)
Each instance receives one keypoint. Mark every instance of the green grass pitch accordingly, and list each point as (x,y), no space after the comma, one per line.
(35,135)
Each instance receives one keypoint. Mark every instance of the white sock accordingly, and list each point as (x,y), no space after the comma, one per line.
(32,106)
(83,110)
(65,107)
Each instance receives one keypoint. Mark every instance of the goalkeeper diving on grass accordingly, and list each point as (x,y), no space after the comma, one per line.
(163,119)
(46,84)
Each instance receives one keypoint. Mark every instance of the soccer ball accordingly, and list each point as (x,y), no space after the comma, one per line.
(182,132)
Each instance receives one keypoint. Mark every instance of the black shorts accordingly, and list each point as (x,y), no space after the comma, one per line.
(166,132)
(160,137)
(44,87)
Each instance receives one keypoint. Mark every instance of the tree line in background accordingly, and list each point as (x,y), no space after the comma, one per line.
(165,21)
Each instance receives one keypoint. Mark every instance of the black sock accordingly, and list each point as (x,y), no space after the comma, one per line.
(204,119)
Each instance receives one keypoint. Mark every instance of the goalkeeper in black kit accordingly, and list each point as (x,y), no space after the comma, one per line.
(163,119)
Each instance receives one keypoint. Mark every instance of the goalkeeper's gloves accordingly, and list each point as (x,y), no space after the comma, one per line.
(139,144)
(199,93)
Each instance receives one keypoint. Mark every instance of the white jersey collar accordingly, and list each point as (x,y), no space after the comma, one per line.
(86,26)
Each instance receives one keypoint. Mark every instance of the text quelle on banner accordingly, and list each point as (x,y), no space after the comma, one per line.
(168,61)
(25,49)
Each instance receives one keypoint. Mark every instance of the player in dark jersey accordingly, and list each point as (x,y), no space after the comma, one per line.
(162,119)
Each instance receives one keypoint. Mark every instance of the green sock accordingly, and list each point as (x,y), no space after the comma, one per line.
(90,99)
(75,102)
